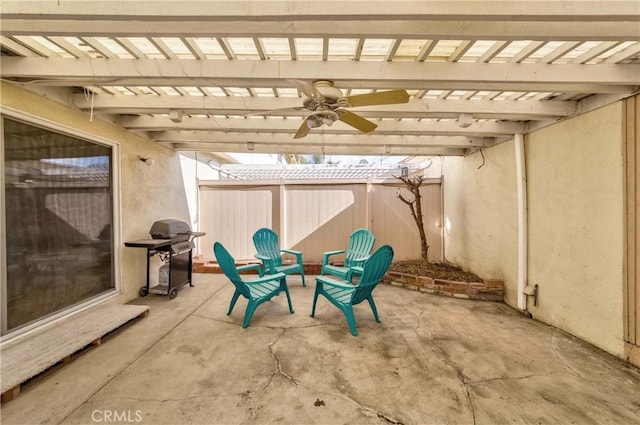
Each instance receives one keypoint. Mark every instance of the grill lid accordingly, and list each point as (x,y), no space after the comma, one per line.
(169,229)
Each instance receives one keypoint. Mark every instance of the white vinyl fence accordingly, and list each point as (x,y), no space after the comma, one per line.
(314,217)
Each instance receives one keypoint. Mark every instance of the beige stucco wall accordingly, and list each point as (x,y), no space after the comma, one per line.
(575,228)
(480,214)
(146,193)
(575,195)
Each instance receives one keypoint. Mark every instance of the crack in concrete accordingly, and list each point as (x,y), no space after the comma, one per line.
(214,319)
(381,415)
(418,318)
(165,400)
(436,348)
(314,325)
(555,353)
(466,389)
(346,397)
(510,378)
(278,364)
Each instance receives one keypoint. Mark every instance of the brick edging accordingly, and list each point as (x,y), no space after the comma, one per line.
(487,290)
(203,265)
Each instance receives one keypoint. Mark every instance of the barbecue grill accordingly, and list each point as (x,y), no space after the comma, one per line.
(172,241)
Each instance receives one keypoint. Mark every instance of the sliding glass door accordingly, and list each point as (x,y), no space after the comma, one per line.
(58,195)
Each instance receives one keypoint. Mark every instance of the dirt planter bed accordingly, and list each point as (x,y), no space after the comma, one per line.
(487,290)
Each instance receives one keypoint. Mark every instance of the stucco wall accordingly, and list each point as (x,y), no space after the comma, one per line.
(480,214)
(146,193)
(575,195)
(575,202)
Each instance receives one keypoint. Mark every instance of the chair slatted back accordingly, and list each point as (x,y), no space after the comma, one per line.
(375,267)
(228,265)
(266,243)
(360,245)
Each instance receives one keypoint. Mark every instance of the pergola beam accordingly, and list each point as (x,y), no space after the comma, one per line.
(220,11)
(376,75)
(385,127)
(533,20)
(310,149)
(236,105)
(321,138)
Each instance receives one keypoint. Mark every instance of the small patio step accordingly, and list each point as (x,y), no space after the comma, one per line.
(60,343)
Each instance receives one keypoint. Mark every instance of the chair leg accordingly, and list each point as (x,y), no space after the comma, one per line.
(315,298)
(373,308)
(351,320)
(248,314)
(236,294)
(285,288)
(302,274)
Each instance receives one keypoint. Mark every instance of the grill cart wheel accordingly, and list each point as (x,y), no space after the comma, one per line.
(143,291)
(173,293)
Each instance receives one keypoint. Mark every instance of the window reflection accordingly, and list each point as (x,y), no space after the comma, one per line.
(58,205)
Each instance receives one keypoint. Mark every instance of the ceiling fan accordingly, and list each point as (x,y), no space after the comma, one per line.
(327,105)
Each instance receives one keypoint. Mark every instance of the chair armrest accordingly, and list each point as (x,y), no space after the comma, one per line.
(355,270)
(333,282)
(267,262)
(266,278)
(326,255)
(330,253)
(298,254)
(251,267)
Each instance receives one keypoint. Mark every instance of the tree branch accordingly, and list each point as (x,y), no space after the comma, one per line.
(404,200)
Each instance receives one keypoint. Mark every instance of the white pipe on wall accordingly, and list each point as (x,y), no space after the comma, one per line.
(521,176)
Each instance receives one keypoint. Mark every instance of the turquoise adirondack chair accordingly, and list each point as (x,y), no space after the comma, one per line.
(269,252)
(360,245)
(344,295)
(255,291)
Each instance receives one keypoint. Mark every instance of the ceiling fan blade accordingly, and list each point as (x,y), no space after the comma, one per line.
(308,89)
(275,111)
(303,130)
(379,98)
(356,121)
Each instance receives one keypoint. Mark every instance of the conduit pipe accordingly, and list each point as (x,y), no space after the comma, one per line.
(521,176)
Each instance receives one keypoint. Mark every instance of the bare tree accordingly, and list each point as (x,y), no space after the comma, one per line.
(412,184)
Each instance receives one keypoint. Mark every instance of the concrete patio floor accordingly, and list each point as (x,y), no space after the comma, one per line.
(432,360)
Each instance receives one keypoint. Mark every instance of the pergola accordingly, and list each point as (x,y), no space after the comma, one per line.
(187,73)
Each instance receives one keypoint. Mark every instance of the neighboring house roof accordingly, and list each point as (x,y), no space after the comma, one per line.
(312,172)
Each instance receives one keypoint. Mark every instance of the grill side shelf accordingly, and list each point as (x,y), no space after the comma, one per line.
(148,243)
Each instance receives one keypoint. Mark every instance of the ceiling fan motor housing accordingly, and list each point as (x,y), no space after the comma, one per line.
(327,105)
(327,90)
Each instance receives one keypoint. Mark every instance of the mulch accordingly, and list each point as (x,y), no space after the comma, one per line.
(434,270)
